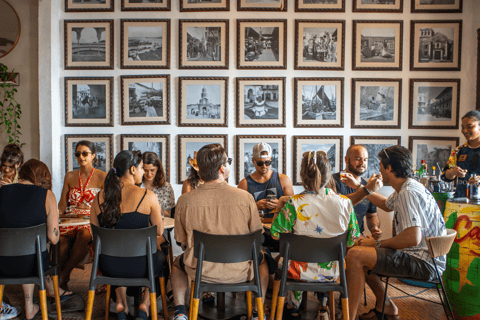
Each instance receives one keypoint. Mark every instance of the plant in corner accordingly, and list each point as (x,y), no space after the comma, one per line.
(9,108)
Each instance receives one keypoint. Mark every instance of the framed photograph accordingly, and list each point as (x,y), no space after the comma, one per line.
(145,99)
(203,44)
(434,150)
(260,102)
(261,44)
(204,5)
(382,6)
(434,103)
(319,44)
(319,5)
(321,102)
(149,5)
(374,145)
(244,148)
(103,146)
(90,6)
(262,5)
(478,70)
(145,44)
(88,44)
(332,146)
(89,102)
(188,144)
(437,6)
(376,103)
(377,45)
(203,102)
(158,143)
(435,45)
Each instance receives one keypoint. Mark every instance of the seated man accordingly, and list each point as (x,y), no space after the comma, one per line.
(216,208)
(417,216)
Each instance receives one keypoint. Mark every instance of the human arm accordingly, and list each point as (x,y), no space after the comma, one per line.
(373,185)
(410,237)
(170,201)
(53,231)
(155,212)
(261,204)
(454,172)
(186,187)
(180,232)
(95,209)
(287,191)
(62,205)
(373,224)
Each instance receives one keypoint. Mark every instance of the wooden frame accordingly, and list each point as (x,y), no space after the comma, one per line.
(308,57)
(282,5)
(426,111)
(137,5)
(91,31)
(134,114)
(301,6)
(396,7)
(71,6)
(434,150)
(374,145)
(91,104)
(192,109)
(257,111)
(105,158)
(137,30)
(259,48)
(376,104)
(302,144)
(10,79)
(435,56)
(224,5)
(10,21)
(417,7)
(478,69)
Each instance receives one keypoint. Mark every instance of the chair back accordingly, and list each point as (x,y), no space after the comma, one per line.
(440,246)
(23,241)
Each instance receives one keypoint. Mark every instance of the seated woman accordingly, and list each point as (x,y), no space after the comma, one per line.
(194,179)
(316,212)
(140,209)
(79,190)
(10,161)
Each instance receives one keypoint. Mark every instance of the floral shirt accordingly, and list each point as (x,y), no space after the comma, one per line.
(165,196)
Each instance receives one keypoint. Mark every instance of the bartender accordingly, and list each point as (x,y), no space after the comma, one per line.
(464,161)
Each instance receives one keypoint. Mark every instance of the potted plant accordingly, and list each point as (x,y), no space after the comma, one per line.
(10,111)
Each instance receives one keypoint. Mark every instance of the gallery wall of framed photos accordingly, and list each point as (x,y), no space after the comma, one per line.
(173,75)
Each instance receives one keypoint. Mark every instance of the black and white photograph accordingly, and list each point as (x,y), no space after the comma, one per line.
(103,146)
(434,150)
(437,6)
(434,103)
(145,44)
(89,5)
(262,5)
(319,5)
(145,100)
(385,6)
(146,5)
(374,145)
(9,28)
(203,101)
(204,44)
(204,5)
(260,102)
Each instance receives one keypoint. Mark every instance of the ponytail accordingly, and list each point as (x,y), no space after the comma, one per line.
(315,170)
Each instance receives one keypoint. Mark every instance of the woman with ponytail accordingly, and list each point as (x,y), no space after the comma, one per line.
(124,205)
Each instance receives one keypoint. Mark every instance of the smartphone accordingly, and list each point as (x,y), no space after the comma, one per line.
(271,197)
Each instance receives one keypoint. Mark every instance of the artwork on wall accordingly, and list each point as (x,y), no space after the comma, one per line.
(260,102)
(390,6)
(437,6)
(88,44)
(145,44)
(203,44)
(157,143)
(332,146)
(478,69)
(9,28)
(374,145)
(150,5)
(199,5)
(203,101)
(90,6)
(376,103)
(377,45)
(262,5)
(318,102)
(89,101)
(319,5)
(188,144)
(434,103)
(319,44)
(103,148)
(244,148)
(435,45)
(434,150)
(145,99)
(261,44)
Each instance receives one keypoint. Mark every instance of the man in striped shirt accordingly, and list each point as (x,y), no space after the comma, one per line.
(416,217)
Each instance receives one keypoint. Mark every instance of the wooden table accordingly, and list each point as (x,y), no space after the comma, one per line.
(168,223)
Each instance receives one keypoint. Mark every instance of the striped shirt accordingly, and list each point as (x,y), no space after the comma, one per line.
(414,206)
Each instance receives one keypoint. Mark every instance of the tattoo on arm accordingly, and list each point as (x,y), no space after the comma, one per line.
(55,232)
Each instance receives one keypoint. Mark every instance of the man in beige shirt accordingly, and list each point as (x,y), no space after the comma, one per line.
(217,208)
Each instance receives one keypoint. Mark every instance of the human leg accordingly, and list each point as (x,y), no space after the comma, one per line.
(77,254)
(179,280)
(31,309)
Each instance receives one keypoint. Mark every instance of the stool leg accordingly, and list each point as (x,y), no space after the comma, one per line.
(365,295)
(331,304)
(153,306)
(276,288)
(195,309)
(164,297)
(281,303)
(385,298)
(249,304)
(191,299)
(58,304)
(261,315)
(346,315)
(43,303)
(170,257)
(107,302)
(91,297)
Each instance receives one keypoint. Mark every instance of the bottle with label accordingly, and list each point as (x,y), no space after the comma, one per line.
(421,170)
(423,173)
(473,189)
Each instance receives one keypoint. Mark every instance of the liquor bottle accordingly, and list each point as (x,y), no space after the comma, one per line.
(421,170)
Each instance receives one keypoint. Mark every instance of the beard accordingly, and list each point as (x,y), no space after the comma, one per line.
(356,171)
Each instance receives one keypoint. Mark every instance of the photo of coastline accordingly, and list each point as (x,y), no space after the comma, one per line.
(145,43)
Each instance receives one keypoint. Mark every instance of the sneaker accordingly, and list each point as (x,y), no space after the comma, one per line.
(8,312)
(180,316)
(256,318)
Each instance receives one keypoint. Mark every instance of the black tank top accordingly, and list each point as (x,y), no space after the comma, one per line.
(22,206)
(129,220)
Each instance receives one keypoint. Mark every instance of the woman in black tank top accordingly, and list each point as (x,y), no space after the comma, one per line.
(139,210)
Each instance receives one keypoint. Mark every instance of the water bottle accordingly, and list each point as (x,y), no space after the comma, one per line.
(473,189)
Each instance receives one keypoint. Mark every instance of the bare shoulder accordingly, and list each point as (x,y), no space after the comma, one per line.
(100,174)
(243,184)
(51,197)
(284,177)
(71,178)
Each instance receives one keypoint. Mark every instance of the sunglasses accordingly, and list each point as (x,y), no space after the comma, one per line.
(137,152)
(229,161)
(385,152)
(261,163)
(84,154)
(12,153)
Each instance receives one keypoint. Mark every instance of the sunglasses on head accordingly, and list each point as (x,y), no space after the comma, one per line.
(12,153)
(261,163)
(84,154)
(137,152)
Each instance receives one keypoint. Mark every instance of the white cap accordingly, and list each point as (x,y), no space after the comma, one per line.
(261,147)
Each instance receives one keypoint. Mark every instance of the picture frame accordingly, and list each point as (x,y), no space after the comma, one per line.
(192,54)
(331,145)
(376,103)
(378,7)
(261,44)
(435,45)
(260,102)
(434,103)
(145,99)
(196,6)
(262,5)
(319,44)
(10,28)
(152,5)
(89,101)
(478,69)
(377,45)
(92,6)
(434,150)
(103,145)
(142,44)
(158,143)
(374,145)
(319,6)
(243,150)
(188,144)
(318,102)
(203,102)
(436,6)
(88,44)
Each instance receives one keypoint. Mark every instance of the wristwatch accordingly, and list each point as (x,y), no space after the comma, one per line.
(379,243)
(366,190)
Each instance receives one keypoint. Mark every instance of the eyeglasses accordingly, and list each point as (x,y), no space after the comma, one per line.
(229,161)
(268,163)
(386,154)
(12,153)
(84,154)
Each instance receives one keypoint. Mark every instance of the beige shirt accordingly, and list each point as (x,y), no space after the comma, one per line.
(216,208)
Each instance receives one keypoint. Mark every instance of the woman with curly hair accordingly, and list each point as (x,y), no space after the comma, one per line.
(10,162)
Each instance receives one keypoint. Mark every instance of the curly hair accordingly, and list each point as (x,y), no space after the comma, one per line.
(152,158)
(37,173)
(12,154)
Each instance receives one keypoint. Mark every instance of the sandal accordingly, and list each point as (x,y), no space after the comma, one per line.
(373,314)
(208,299)
(141,315)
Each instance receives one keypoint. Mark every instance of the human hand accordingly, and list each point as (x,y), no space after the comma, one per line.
(262,204)
(5,182)
(282,201)
(367,241)
(459,172)
(272,203)
(474,180)
(376,233)
(375,182)
(350,180)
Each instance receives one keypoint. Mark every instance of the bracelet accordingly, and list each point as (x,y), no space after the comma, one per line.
(366,191)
